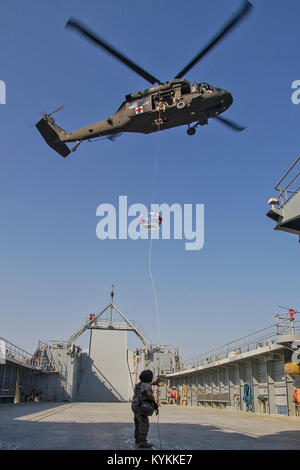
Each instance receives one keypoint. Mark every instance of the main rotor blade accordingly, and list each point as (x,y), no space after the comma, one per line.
(72,23)
(233,125)
(244,10)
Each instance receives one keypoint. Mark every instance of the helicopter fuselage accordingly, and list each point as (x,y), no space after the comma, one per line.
(168,105)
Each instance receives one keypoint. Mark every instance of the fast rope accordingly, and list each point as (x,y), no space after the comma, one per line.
(150,255)
(160,445)
(150,249)
(155,301)
(158,327)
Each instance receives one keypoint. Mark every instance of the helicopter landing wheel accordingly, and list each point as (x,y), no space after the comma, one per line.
(191,131)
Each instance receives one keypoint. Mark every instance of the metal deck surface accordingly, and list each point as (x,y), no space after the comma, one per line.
(109,426)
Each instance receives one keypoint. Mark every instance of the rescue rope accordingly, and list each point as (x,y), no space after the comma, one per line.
(156,157)
(158,432)
(155,301)
(150,256)
(150,248)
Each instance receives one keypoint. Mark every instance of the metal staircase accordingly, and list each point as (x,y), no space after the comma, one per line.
(42,359)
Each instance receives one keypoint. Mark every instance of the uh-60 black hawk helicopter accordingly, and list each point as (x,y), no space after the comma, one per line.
(166,105)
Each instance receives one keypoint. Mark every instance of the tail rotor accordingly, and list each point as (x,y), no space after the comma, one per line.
(44,114)
(48,117)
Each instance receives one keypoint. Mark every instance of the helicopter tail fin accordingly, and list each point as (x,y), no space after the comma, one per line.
(51,134)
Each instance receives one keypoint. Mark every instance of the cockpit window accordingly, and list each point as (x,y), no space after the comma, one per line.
(205,85)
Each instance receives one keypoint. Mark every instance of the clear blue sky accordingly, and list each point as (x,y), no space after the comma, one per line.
(54,270)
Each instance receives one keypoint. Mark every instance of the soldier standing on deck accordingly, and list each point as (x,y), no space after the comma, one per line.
(143,405)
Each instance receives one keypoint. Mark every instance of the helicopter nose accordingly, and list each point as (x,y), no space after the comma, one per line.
(226,98)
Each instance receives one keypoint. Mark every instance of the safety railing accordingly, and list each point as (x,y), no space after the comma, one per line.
(7,392)
(11,352)
(286,323)
(288,187)
(138,327)
(106,323)
(121,325)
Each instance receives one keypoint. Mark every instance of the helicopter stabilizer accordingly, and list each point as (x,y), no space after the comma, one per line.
(51,134)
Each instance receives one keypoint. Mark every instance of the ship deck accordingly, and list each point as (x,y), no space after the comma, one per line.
(109,426)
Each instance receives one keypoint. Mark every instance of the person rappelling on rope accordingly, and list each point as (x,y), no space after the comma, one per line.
(143,405)
(153,223)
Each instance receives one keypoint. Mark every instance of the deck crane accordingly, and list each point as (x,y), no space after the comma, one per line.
(92,322)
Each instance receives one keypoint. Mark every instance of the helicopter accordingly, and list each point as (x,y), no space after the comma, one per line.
(166,105)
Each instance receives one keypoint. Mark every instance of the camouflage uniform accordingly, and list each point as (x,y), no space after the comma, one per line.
(141,420)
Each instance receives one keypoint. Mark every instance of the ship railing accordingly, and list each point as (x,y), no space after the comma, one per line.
(141,330)
(11,352)
(286,324)
(120,324)
(286,187)
(7,392)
